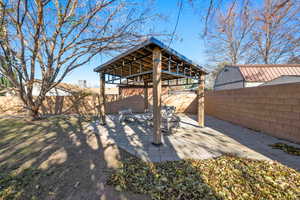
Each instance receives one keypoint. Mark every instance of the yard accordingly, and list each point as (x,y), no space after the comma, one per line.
(55,159)
(236,143)
(63,158)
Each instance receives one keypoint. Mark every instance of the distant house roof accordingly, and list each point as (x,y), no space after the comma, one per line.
(64,86)
(267,72)
(284,79)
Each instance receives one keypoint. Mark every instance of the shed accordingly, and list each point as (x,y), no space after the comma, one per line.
(241,76)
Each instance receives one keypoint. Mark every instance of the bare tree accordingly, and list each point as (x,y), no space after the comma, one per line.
(294,60)
(211,77)
(228,39)
(277,29)
(48,39)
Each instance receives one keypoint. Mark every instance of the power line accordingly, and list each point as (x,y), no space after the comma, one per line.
(177,21)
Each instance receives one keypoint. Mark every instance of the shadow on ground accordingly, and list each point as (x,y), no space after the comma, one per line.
(189,141)
(56,159)
(257,141)
(67,157)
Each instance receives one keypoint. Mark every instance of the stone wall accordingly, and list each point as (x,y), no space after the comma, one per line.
(271,109)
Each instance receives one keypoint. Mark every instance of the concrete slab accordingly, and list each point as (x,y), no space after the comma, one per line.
(190,141)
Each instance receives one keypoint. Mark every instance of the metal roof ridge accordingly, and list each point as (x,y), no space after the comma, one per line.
(263,65)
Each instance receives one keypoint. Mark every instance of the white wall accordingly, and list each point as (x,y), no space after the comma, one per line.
(52,92)
(253,84)
(229,78)
(230,86)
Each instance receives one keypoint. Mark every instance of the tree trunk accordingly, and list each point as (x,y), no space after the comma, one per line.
(34,113)
(33,107)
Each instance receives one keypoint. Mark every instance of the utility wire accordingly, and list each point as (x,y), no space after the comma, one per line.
(177,21)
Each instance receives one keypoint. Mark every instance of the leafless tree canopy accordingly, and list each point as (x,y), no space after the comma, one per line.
(48,39)
(277,35)
(265,33)
(229,37)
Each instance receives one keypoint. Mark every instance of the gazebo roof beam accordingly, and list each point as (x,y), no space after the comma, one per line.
(136,65)
(141,57)
(176,58)
(148,63)
(139,74)
(148,46)
(177,75)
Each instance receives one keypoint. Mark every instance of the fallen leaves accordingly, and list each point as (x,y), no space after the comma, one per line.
(286,148)
(226,177)
(12,186)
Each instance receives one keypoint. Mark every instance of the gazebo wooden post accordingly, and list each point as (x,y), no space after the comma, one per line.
(145,95)
(157,140)
(200,99)
(102,99)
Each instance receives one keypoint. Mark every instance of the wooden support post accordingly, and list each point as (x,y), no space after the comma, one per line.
(157,140)
(200,98)
(145,96)
(102,99)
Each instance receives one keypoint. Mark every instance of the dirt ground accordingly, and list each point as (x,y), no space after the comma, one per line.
(56,159)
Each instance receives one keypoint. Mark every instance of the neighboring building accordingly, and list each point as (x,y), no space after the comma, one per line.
(82,83)
(61,89)
(283,80)
(241,76)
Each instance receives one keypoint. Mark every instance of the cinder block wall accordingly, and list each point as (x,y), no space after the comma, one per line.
(73,105)
(274,110)
(184,102)
(10,106)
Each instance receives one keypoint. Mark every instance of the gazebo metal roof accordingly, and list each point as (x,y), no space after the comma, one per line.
(137,62)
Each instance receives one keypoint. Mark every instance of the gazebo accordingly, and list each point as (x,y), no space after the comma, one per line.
(151,64)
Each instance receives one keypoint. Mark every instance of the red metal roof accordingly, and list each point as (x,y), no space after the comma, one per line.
(267,72)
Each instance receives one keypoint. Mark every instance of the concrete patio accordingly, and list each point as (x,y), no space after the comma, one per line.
(189,141)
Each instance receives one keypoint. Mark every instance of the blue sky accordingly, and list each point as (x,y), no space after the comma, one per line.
(188,43)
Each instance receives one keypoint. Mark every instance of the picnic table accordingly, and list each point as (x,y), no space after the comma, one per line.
(167,112)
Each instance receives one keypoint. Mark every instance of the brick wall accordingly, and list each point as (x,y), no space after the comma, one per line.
(271,109)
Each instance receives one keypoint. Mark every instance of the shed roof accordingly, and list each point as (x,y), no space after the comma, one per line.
(142,55)
(284,79)
(267,72)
